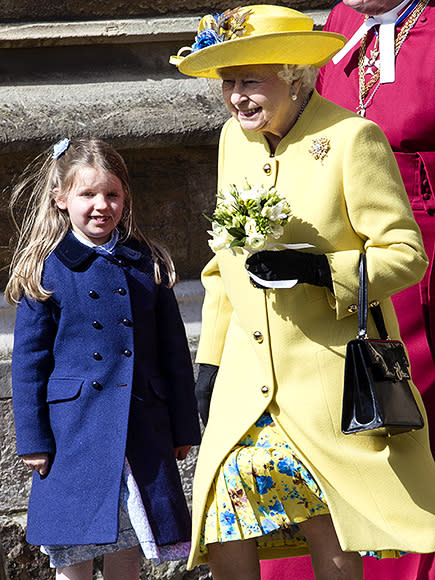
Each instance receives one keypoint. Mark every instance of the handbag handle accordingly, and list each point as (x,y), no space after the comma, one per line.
(363,305)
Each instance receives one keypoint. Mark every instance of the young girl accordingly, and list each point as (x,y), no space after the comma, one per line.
(102,376)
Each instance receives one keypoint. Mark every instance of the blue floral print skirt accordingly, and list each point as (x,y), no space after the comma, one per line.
(262,491)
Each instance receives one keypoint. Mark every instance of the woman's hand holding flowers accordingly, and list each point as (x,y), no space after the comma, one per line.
(290,264)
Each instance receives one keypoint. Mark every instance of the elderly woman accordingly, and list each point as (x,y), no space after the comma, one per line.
(275,476)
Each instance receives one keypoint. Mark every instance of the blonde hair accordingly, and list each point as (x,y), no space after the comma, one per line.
(43,225)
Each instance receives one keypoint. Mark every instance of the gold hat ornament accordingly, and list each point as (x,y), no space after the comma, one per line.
(258,34)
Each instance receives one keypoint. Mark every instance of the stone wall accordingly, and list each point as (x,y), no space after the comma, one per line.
(100,68)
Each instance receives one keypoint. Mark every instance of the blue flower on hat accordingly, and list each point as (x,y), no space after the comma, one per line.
(205,38)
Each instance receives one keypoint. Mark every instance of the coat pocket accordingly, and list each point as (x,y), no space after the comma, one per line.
(63,390)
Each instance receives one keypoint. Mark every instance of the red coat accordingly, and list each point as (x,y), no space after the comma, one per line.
(405,110)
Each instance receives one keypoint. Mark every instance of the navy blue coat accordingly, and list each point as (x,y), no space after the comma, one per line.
(102,370)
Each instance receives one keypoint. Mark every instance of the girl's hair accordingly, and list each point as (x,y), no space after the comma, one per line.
(43,225)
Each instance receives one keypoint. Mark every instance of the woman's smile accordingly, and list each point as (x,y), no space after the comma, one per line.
(259,100)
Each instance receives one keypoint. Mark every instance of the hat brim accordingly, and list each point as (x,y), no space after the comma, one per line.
(309,47)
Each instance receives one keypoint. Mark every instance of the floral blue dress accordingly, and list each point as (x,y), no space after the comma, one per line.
(262,490)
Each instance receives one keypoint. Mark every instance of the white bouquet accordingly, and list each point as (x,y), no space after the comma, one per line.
(248,217)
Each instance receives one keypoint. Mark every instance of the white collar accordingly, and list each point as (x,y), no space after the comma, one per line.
(387,23)
(108,246)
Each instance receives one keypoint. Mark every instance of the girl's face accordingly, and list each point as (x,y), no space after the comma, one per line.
(94,204)
(259,100)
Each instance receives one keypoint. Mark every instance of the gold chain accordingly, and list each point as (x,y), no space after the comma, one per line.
(364,87)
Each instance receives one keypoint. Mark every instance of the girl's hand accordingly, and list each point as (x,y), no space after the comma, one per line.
(181,452)
(37,461)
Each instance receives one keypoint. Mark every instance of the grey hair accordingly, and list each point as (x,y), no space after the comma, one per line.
(292,72)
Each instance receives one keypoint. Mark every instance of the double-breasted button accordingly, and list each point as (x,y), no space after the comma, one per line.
(121,291)
(97,325)
(265,390)
(127,352)
(125,322)
(258,336)
(267,168)
(93,294)
(374,303)
(97,356)
(352,308)
(97,386)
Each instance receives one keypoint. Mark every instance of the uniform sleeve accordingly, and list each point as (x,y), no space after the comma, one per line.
(176,365)
(32,362)
(380,214)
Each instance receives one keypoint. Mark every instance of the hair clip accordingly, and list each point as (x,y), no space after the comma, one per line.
(60,147)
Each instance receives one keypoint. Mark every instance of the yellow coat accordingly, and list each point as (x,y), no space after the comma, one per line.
(284,349)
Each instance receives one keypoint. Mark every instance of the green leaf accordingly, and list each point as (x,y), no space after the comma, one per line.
(236,242)
(237,232)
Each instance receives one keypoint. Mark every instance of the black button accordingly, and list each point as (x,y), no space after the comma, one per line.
(97,325)
(127,352)
(121,291)
(97,356)
(126,322)
(93,294)
(96,385)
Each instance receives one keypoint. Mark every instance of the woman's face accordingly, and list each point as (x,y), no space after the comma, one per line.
(260,100)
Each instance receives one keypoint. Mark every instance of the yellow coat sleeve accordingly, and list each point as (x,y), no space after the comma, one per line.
(216,315)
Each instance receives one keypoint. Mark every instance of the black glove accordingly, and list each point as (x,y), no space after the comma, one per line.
(204,389)
(291,264)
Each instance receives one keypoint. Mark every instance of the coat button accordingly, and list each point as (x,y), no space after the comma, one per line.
(352,308)
(97,356)
(267,168)
(258,336)
(97,325)
(93,294)
(127,352)
(126,322)
(96,385)
(121,291)
(265,390)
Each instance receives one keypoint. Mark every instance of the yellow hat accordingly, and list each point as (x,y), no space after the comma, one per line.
(259,34)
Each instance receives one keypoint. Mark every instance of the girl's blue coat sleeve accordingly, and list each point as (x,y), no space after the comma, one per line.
(32,364)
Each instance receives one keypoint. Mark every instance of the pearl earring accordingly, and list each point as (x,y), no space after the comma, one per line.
(294,97)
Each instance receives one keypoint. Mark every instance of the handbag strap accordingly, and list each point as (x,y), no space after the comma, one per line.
(363,305)
(362,298)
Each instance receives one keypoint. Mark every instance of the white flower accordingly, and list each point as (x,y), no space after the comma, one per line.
(276,230)
(280,211)
(255,242)
(251,227)
(221,239)
(256,192)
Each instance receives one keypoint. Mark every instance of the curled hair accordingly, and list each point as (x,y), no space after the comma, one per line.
(293,72)
(41,224)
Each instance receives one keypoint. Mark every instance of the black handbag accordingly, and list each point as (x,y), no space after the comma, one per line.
(376,394)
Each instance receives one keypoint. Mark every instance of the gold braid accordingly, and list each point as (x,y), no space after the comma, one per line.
(364,87)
